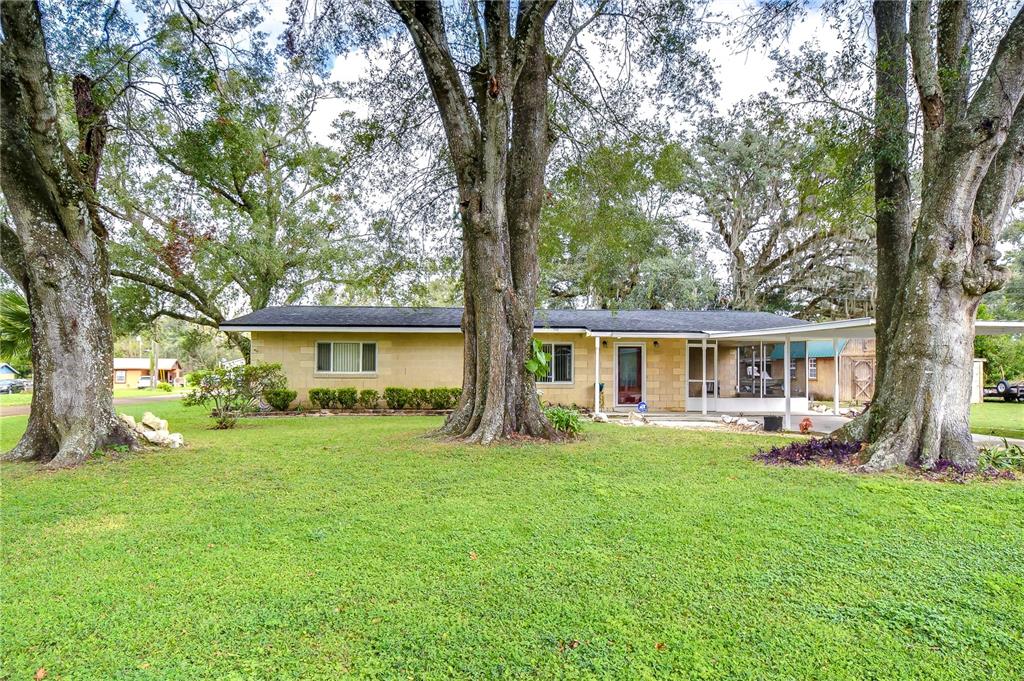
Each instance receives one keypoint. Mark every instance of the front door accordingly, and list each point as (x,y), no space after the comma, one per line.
(630,379)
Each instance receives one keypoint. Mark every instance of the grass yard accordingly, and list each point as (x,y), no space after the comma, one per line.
(26,398)
(325,547)
(1004,419)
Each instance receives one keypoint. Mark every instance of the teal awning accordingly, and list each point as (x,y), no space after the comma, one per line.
(796,349)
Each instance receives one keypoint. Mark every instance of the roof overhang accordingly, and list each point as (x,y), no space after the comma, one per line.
(372,329)
(995,327)
(849,329)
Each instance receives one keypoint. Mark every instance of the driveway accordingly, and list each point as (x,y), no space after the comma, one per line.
(24,409)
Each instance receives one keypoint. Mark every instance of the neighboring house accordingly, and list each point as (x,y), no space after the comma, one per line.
(128,370)
(603,359)
(8,372)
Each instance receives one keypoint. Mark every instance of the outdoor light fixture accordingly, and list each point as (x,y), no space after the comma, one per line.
(655,343)
(604,344)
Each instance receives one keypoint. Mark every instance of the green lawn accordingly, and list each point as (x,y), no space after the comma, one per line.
(1005,419)
(26,398)
(325,547)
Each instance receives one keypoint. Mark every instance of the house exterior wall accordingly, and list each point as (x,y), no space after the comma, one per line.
(132,377)
(430,360)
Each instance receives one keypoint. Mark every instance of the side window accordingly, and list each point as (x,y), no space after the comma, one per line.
(119,377)
(560,367)
(812,368)
(346,357)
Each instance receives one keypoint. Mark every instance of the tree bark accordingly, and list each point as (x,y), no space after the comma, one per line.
(972,166)
(499,144)
(56,251)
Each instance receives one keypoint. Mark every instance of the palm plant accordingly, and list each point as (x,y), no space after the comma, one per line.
(15,328)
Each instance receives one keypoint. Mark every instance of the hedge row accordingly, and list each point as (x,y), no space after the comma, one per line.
(396,398)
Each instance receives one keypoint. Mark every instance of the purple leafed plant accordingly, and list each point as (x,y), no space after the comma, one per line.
(810,451)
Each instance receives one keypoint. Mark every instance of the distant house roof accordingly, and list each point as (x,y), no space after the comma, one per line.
(816,349)
(163,363)
(6,368)
(449,318)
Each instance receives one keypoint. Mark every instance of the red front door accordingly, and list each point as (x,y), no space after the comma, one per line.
(630,379)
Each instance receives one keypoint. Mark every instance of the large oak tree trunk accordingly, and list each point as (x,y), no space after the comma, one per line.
(499,144)
(56,251)
(973,162)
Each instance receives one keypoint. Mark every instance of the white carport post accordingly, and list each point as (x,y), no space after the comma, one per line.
(835,376)
(597,374)
(704,376)
(787,421)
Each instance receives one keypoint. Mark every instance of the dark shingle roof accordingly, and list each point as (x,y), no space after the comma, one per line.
(631,321)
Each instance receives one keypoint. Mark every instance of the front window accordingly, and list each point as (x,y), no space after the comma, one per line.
(812,368)
(119,377)
(560,366)
(346,358)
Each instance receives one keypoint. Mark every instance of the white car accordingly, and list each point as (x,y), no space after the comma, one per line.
(146,382)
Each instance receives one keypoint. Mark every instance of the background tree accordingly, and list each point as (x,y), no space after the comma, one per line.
(56,250)
(487,71)
(222,199)
(612,235)
(789,205)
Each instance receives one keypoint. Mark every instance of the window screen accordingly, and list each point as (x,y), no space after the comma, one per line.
(369,357)
(560,366)
(346,357)
(323,356)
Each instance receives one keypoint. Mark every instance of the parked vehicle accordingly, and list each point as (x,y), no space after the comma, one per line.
(11,385)
(146,382)
(1010,392)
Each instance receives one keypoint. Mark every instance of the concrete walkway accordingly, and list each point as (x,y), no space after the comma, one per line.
(823,424)
(24,409)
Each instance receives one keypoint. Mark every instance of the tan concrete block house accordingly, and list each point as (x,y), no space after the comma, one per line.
(605,360)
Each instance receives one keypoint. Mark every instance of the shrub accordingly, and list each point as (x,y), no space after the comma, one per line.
(166,387)
(1005,458)
(419,398)
(280,398)
(322,398)
(440,398)
(565,420)
(810,451)
(233,390)
(346,397)
(396,398)
(368,398)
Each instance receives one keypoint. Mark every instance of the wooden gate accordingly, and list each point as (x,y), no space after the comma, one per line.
(862,374)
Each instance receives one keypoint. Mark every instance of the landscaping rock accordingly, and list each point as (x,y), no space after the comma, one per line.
(154,430)
(152,422)
(600,418)
(747,424)
(635,418)
(729,419)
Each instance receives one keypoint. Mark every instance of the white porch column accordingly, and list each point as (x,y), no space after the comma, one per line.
(835,376)
(807,372)
(597,374)
(787,421)
(704,376)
